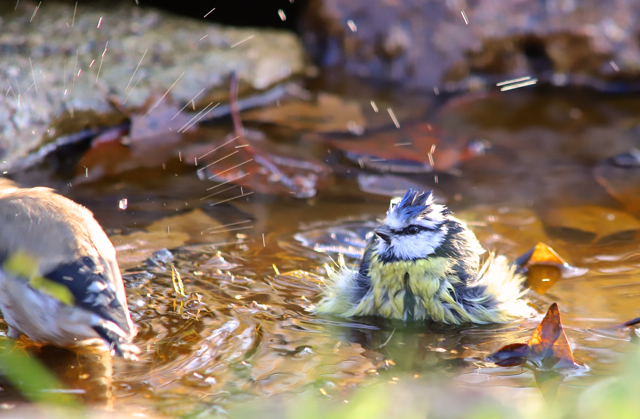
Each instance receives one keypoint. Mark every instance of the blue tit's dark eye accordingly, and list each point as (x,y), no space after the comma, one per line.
(413,230)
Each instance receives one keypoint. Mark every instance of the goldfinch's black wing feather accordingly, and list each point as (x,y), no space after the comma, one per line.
(91,289)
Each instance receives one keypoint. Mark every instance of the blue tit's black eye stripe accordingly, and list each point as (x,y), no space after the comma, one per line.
(412,230)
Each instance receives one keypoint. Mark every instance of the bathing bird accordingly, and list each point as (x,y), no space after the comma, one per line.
(422,263)
(60,283)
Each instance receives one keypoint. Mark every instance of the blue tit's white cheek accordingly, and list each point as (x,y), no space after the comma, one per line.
(381,246)
(409,247)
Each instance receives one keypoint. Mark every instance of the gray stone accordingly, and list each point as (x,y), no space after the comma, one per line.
(63,69)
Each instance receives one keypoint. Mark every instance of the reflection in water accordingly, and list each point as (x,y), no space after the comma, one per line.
(79,374)
(243,330)
(246,331)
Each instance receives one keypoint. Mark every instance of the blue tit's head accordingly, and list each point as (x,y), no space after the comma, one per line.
(414,227)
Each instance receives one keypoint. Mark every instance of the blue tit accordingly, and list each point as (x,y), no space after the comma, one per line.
(60,283)
(424,264)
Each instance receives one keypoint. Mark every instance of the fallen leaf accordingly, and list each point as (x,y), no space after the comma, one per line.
(511,355)
(261,167)
(591,224)
(327,113)
(547,349)
(549,345)
(544,267)
(148,141)
(251,163)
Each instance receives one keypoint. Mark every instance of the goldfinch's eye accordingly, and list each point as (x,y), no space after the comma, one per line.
(413,230)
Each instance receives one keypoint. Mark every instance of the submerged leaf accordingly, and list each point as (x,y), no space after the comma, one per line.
(387,185)
(264,168)
(620,176)
(591,224)
(418,148)
(328,113)
(169,233)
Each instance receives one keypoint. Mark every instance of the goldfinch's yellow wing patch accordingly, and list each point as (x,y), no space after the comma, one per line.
(24,265)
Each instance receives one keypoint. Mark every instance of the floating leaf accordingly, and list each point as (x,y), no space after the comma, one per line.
(327,113)
(549,345)
(544,267)
(547,349)
(511,355)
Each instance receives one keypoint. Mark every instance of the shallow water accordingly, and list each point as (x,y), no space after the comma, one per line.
(244,331)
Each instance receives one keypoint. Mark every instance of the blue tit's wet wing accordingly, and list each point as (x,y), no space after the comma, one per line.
(91,289)
(362,282)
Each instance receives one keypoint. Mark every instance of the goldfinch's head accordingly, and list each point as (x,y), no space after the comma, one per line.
(414,227)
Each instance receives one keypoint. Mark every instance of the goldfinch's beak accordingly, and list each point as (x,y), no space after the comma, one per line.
(384,233)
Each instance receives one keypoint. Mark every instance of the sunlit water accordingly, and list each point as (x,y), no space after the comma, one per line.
(244,329)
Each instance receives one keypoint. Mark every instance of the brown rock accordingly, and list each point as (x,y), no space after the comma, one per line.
(428,44)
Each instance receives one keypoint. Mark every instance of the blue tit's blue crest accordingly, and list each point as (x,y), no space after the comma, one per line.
(415,206)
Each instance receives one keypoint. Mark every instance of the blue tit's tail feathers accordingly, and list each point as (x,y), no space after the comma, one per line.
(341,291)
(495,296)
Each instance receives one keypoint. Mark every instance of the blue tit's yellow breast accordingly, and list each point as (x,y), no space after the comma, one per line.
(416,282)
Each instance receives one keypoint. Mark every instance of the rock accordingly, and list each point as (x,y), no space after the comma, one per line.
(63,68)
(430,45)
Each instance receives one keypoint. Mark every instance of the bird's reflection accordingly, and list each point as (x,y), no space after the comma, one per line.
(85,373)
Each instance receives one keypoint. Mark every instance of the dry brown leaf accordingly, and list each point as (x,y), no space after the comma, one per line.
(544,267)
(547,349)
(549,346)
(328,113)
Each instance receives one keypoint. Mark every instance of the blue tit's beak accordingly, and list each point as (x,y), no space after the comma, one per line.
(384,233)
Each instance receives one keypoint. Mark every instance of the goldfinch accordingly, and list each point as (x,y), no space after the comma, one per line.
(424,264)
(60,283)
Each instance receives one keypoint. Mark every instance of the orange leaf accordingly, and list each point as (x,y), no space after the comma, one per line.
(549,345)
(544,267)
(547,349)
